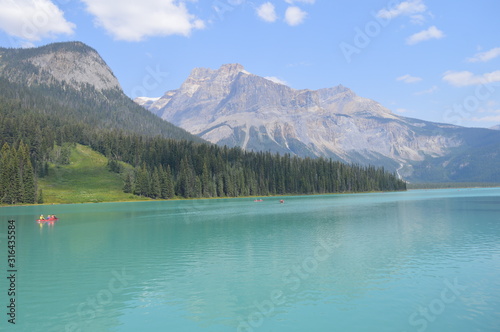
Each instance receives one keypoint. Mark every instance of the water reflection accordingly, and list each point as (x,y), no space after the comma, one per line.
(216,265)
(46,222)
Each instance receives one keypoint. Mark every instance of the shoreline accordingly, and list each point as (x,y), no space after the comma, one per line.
(203,198)
(250,197)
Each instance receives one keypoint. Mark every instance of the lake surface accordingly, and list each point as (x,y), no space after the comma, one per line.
(410,261)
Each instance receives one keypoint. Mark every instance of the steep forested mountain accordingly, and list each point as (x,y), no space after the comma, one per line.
(54,96)
(71,80)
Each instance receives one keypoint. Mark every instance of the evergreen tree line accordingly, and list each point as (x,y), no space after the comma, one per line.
(17,177)
(39,129)
(166,168)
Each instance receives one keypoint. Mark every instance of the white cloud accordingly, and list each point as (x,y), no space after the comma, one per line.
(493,119)
(276,80)
(409,79)
(431,33)
(485,56)
(294,16)
(33,20)
(417,19)
(433,89)
(466,78)
(131,21)
(404,8)
(267,12)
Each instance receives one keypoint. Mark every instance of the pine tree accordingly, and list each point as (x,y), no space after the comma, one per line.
(197,187)
(186,181)
(16,189)
(206,182)
(128,183)
(11,179)
(142,181)
(4,174)
(170,191)
(27,176)
(155,187)
(40,197)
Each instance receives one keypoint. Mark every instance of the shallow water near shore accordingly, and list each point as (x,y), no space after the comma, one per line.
(405,261)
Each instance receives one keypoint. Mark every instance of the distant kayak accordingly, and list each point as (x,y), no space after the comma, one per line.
(259,200)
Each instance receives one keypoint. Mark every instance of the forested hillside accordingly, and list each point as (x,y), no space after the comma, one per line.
(168,167)
(39,121)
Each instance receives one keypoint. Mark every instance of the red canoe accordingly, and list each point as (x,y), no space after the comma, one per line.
(47,220)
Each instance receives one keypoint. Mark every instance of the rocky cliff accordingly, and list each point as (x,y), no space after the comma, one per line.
(234,107)
(74,64)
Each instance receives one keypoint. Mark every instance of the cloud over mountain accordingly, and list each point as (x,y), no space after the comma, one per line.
(409,79)
(403,8)
(130,22)
(485,56)
(33,20)
(465,78)
(267,12)
(431,33)
(294,16)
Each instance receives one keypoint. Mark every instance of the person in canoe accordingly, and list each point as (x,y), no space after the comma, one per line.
(50,217)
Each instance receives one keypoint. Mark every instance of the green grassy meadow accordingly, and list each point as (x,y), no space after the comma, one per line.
(86,179)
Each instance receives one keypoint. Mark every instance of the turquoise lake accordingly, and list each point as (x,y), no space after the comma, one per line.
(406,261)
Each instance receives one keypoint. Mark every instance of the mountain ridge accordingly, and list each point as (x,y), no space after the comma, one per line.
(56,63)
(71,78)
(230,106)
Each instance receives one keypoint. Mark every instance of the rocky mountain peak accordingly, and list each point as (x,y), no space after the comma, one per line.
(229,106)
(73,63)
(228,73)
(215,79)
(232,68)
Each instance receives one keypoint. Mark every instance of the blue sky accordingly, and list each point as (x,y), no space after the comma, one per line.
(432,60)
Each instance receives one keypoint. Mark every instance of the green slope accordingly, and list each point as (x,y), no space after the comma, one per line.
(86,179)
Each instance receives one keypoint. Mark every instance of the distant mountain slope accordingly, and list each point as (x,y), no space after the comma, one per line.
(72,81)
(73,63)
(233,107)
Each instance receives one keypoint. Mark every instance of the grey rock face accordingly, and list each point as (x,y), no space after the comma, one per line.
(75,64)
(233,107)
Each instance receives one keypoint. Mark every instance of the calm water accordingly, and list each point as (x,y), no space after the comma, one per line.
(413,261)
